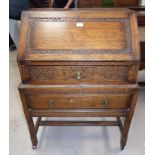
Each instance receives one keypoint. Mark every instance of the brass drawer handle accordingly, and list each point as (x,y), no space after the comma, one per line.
(78,76)
(105,103)
(50,103)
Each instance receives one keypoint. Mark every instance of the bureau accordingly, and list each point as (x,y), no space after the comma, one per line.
(79,63)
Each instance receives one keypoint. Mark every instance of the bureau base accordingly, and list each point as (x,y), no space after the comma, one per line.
(35,104)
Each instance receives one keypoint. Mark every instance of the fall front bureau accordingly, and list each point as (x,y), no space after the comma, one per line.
(79,63)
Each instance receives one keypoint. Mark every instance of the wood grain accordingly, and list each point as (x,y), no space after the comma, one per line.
(80,101)
(66,73)
(105,35)
(78,63)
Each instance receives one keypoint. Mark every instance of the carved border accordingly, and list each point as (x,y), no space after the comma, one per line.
(33,20)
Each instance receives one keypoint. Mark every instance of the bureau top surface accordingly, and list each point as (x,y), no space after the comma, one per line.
(79,35)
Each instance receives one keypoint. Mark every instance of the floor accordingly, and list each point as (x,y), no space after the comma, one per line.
(71,140)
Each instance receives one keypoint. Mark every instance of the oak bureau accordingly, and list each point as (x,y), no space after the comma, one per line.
(79,63)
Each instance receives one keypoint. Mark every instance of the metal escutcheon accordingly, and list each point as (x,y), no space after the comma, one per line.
(50,103)
(78,76)
(105,103)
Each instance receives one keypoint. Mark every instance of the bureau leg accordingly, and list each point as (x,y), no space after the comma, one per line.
(125,132)
(122,147)
(30,123)
(128,120)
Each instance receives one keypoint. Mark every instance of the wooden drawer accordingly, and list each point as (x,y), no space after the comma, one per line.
(80,74)
(79,101)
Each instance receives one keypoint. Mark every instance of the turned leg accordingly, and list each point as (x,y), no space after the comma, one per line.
(128,121)
(32,130)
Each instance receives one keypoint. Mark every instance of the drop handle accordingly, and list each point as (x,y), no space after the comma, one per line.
(106,103)
(78,76)
(50,103)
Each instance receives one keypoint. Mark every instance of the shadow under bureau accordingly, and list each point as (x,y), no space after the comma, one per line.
(79,63)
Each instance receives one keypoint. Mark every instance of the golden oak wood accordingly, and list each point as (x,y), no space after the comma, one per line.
(80,101)
(45,28)
(78,63)
(80,74)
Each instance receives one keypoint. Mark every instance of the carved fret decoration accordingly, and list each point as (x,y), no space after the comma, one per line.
(131,74)
(41,72)
(33,20)
(28,36)
(88,73)
(78,19)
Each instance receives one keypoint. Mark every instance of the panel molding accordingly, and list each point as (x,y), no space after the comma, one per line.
(31,25)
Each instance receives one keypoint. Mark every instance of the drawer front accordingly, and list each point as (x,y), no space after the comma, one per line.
(79,101)
(81,74)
